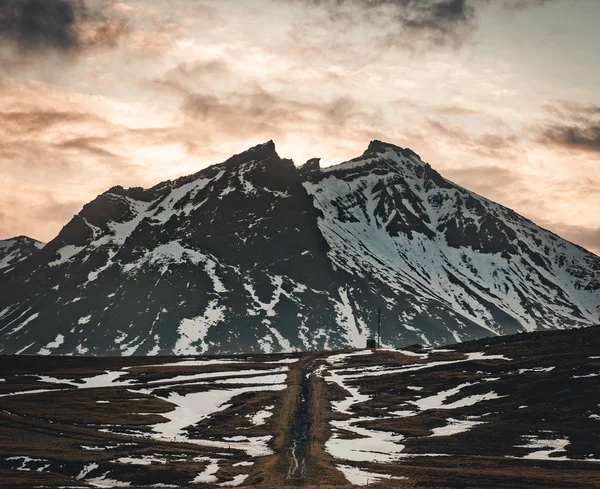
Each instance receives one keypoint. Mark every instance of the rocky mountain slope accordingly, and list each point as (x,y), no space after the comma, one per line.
(255,254)
(15,250)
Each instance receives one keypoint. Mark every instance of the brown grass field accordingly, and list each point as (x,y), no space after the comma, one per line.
(547,390)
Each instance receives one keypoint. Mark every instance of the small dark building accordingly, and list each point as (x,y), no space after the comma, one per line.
(371,343)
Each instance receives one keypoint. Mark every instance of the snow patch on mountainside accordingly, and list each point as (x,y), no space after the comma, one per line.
(354,336)
(192,332)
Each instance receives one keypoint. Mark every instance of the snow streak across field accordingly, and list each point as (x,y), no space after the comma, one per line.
(527,405)
(189,398)
(357,444)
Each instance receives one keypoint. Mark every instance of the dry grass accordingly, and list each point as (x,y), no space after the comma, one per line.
(54,426)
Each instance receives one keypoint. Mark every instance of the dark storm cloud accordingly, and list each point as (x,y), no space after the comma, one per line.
(36,23)
(65,26)
(574,126)
(434,21)
(586,138)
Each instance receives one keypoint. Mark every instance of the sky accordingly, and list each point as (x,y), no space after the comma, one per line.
(500,96)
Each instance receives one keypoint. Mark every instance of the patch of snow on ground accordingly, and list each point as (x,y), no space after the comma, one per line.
(86,470)
(236,481)
(409,353)
(597,374)
(260,418)
(536,369)
(404,413)
(341,357)
(194,363)
(372,446)
(549,446)
(454,427)
(285,360)
(107,379)
(359,477)
(354,397)
(24,461)
(242,374)
(193,407)
(263,379)
(437,401)
(103,481)
(142,460)
(479,355)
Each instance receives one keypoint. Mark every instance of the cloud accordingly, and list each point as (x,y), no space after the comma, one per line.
(89,146)
(491,145)
(63,26)
(586,137)
(433,22)
(259,113)
(37,120)
(189,76)
(572,126)
(525,4)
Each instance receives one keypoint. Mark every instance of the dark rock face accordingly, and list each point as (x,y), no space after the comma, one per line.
(254,254)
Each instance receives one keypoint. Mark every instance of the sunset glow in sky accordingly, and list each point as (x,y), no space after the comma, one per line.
(500,96)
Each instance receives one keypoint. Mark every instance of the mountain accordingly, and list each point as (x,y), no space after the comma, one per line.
(15,250)
(255,254)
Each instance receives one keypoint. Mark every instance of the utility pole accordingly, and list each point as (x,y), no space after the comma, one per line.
(378,328)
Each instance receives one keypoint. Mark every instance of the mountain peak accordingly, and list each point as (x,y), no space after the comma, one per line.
(267,148)
(311,165)
(378,147)
(256,255)
(260,152)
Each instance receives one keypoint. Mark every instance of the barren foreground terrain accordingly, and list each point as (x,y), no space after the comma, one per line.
(509,412)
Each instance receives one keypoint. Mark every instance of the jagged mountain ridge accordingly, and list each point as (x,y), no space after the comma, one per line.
(255,254)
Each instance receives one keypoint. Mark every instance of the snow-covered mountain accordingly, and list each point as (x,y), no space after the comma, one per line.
(255,254)
(15,250)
